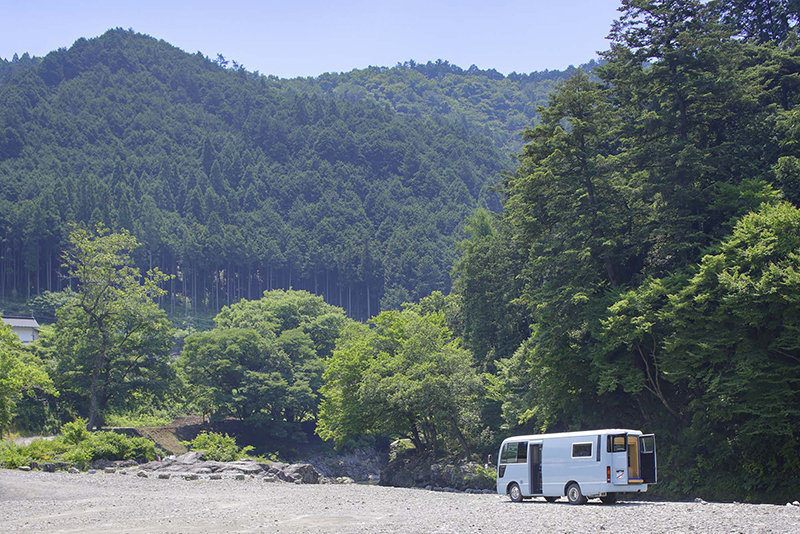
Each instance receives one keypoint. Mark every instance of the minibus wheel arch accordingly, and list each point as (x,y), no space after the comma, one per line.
(567,485)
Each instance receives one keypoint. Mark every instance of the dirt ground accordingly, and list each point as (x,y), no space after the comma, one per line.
(94,503)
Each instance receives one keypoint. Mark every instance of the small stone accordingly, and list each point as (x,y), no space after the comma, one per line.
(190,476)
(789,505)
(239,477)
(216,476)
(429,488)
(141,474)
(298,481)
(24,468)
(270,478)
(796,503)
(91,471)
(73,470)
(110,470)
(164,476)
(122,472)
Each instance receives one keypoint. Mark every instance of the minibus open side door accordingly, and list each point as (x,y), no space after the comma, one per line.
(534,468)
(618,449)
(647,458)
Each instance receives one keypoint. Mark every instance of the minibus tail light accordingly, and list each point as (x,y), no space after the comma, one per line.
(608,474)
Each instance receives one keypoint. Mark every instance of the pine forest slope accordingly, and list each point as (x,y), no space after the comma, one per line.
(353,186)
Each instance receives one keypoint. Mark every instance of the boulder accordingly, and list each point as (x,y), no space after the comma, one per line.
(91,471)
(49,467)
(215,477)
(305,473)
(24,468)
(142,474)
(164,476)
(74,470)
(190,476)
(240,476)
(110,470)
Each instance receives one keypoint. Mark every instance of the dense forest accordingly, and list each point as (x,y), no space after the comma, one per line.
(234,182)
(636,266)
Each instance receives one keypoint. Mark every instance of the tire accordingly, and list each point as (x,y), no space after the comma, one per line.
(611,498)
(574,494)
(551,499)
(515,493)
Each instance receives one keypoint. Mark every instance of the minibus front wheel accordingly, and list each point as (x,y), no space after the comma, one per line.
(515,493)
(574,494)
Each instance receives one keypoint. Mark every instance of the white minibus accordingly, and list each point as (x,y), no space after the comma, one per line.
(580,465)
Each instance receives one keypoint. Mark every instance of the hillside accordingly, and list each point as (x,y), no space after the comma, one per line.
(236,182)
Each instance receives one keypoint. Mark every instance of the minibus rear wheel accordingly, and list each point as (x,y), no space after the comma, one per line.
(515,493)
(574,494)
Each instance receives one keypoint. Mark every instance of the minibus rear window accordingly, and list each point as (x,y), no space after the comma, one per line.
(514,453)
(617,443)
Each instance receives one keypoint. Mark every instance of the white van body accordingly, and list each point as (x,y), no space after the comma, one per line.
(579,465)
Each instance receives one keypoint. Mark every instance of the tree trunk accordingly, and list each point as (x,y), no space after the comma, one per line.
(461,440)
(94,408)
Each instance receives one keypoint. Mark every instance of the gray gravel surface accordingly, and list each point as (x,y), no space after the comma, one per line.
(63,502)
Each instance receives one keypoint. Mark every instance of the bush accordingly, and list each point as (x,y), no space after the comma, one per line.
(217,447)
(78,446)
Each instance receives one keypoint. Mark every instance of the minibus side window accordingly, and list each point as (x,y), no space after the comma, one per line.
(581,450)
(509,453)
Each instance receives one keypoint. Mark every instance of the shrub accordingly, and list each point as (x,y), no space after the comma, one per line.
(218,447)
(78,446)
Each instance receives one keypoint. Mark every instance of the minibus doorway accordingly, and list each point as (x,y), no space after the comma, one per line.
(535,466)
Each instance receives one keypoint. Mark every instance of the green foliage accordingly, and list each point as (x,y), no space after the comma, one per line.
(263,362)
(406,377)
(78,446)
(111,340)
(21,374)
(218,447)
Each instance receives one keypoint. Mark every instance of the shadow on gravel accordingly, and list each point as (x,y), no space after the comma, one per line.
(564,503)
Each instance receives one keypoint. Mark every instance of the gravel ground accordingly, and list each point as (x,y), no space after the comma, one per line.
(63,502)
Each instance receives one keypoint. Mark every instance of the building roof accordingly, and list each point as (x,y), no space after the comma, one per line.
(21,322)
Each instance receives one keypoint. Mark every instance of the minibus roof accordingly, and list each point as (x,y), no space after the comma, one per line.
(582,434)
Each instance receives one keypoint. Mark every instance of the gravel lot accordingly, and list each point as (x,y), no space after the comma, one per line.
(63,502)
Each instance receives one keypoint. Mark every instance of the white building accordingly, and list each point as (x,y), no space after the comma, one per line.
(27,328)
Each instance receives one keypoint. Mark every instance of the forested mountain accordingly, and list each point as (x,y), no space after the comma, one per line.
(483,101)
(235,182)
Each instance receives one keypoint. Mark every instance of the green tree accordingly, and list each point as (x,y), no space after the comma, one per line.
(406,377)
(112,338)
(21,374)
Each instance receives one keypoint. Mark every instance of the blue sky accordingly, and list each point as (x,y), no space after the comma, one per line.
(306,38)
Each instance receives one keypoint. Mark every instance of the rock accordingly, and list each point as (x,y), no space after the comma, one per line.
(489,492)
(215,477)
(190,476)
(698,500)
(49,468)
(24,468)
(110,470)
(344,480)
(429,487)
(270,478)
(240,476)
(203,470)
(73,470)
(123,472)
(298,481)
(796,503)
(303,472)
(789,505)
(164,476)
(189,457)
(142,474)
(91,471)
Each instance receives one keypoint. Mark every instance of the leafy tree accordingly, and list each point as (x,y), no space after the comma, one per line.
(20,374)
(405,377)
(112,339)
